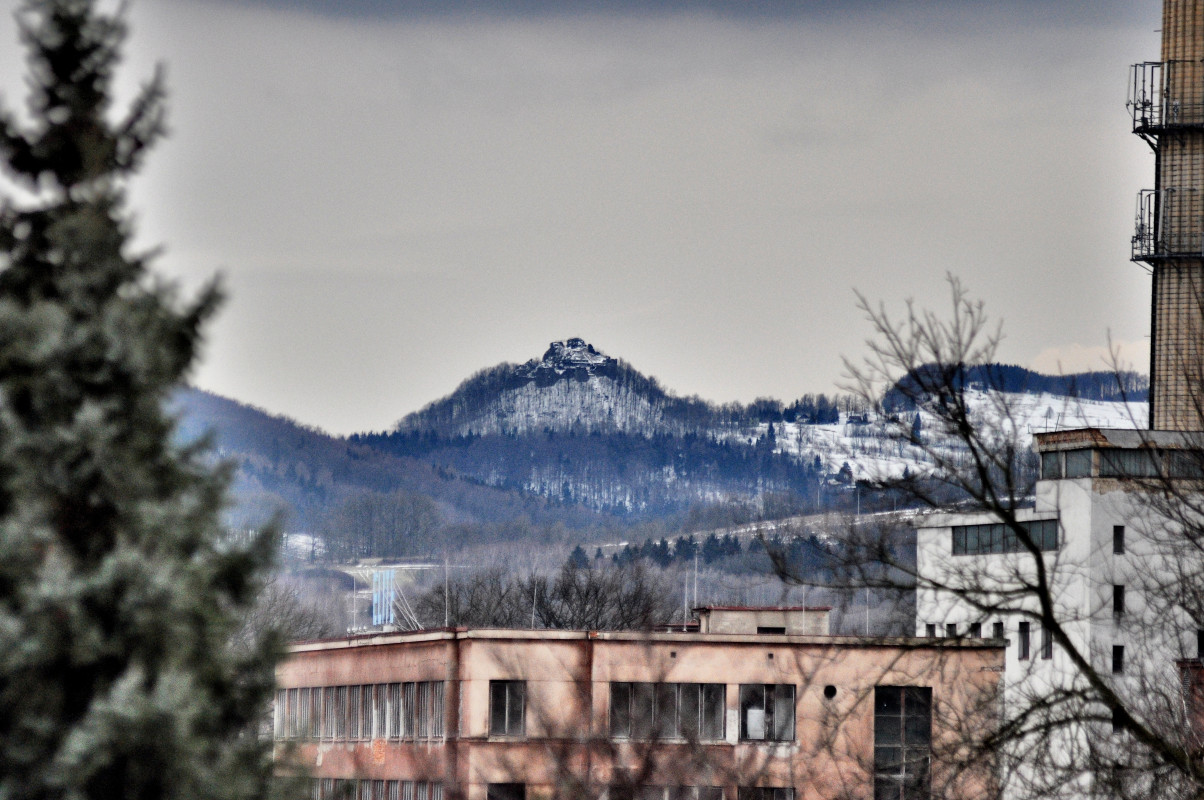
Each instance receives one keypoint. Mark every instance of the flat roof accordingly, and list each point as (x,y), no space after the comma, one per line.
(666,637)
(1127,438)
(762,608)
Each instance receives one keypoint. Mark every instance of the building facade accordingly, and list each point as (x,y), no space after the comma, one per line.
(503,714)
(1101,557)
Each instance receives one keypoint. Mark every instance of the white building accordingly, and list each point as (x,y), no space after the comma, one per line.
(1103,560)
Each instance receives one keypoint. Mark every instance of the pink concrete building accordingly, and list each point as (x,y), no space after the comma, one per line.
(502,714)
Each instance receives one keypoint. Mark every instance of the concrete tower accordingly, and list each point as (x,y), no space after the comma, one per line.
(1167,102)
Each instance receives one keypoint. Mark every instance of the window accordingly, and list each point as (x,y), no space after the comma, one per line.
(999,538)
(1118,539)
(765,793)
(351,789)
(1200,643)
(1022,644)
(951,630)
(1051,466)
(1118,600)
(975,630)
(1118,658)
(997,630)
(1046,643)
(667,710)
(930,630)
(767,712)
(902,742)
(1078,463)
(506,703)
(771,629)
(664,793)
(505,791)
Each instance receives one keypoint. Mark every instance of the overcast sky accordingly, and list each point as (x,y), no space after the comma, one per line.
(401,193)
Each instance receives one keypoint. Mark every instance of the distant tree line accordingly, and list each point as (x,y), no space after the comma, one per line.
(1101,385)
(628,597)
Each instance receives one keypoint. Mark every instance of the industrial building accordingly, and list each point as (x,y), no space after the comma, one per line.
(503,714)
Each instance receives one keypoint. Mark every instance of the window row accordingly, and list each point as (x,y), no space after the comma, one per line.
(1024,634)
(352,789)
(691,711)
(1123,463)
(376,711)
(974,631)
(970,540)
(664,793)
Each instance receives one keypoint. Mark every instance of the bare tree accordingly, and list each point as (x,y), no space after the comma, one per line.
(1095,624)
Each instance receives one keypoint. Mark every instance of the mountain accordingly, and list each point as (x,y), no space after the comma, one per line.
(572,387)
(311,477)
(579,427)
(577,439)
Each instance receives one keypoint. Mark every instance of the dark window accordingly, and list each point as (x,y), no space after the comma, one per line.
(930,630)
(767,712)
(667,710)
(971,540)
(1200,643)
(506,791)
(975,630)
(1046,643)
(1022,643)
(951,630)
(1051,466)
(1118,658)
(1118,600)
(770,629)
(902,742)
(997,630)
(765,793)
(506,704)
(1117,726)
(1118,539)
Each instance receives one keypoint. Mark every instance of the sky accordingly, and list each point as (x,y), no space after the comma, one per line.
(399,194)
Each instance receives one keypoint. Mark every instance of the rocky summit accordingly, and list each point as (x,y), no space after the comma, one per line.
(572,358)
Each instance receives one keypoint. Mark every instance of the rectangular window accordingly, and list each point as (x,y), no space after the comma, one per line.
(278,715)
(767,712)
(930,630)
(667,710)
(1078,464)
(507,702)
(1022,641)
(976,540)
(765,793)
(353,711)
(506,791)
(1200,643)
(1046,643)
(1118,600)
(1118,539)
(902,742)
(951,630)
(975,630)
(997,630)
(1051,466)
(1118,658)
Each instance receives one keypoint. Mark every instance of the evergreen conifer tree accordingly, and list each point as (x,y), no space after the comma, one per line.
(119,592)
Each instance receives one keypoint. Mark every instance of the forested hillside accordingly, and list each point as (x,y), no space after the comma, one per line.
(575,444)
